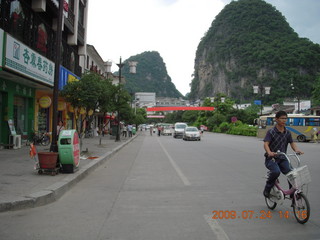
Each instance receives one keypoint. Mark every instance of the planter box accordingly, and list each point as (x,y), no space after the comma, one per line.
(48,160)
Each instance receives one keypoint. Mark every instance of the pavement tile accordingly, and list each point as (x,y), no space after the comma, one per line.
(22,187)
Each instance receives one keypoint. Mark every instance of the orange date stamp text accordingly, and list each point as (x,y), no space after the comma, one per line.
(251,214)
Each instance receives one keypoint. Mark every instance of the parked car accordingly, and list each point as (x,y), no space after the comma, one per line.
(191,133)
(167,130)
(179,129)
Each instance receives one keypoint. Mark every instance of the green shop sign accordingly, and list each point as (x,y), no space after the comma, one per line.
(24,60)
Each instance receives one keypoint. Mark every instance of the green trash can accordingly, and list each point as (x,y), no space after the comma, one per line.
(134,130)
(69,150)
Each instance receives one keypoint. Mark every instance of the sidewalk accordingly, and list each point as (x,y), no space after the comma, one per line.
(22,187)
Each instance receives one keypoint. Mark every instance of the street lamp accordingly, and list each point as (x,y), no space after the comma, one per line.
(259,89)
(136,102)
(120,65)
(292,88)
(132,66)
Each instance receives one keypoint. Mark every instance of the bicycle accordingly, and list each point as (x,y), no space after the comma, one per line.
(298,177)
(39,138)
(89,133)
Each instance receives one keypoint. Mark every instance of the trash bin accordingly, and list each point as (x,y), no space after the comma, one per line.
(134,130)
(69,150)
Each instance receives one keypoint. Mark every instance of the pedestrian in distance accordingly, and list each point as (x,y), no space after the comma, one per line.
(124,131)
(151,130)
(60,127)
(277,139)
(130,129)
(315,135)
(159,130)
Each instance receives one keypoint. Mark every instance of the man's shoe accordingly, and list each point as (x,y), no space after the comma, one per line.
(266,193)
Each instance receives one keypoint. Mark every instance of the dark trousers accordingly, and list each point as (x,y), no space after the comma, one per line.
(276,167)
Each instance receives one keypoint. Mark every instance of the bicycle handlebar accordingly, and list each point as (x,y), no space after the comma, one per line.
(296,155)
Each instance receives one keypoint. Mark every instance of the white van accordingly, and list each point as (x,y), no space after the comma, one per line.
(179,129)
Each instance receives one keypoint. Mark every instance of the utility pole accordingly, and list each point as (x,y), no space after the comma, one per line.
(54,146)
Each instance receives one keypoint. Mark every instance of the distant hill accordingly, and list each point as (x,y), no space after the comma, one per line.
(151,76)
(250,42)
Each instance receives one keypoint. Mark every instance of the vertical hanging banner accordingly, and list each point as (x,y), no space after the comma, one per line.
(65,77)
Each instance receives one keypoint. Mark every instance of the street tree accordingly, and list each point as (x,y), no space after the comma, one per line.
(190,116)
(140,116)
(90,93)
(316,92)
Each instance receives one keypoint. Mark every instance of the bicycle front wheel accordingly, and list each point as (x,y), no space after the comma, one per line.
(270,204)
(301,208)
(45,141)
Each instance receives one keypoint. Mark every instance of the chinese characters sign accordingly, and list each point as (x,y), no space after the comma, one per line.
(28,62)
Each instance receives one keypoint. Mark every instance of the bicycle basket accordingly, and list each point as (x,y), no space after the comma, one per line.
(299,176)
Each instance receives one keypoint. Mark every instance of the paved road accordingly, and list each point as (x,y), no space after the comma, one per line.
(166,188)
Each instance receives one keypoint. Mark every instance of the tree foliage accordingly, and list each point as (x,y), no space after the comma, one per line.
(316,92)
(92,93)
(262,47)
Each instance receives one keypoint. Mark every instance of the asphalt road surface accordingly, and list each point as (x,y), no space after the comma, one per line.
(165,188)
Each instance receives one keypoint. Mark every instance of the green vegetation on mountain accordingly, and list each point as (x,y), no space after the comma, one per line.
(248,43)
(151,76)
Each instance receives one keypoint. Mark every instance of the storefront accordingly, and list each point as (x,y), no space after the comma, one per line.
(44,109)
(23,72)
(17,105)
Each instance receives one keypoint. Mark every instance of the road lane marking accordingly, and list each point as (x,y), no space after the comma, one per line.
(176,167)
(216,228)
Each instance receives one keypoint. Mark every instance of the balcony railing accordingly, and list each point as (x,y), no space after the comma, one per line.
(80,33)
(70,19)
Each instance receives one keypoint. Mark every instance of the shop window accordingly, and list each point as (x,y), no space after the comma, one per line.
(20,114)
(72,62)
(42,38)
(17,18)
(69,123)
(43,120)
(81,13)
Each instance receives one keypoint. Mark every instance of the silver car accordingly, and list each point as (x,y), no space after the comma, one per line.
(191,133)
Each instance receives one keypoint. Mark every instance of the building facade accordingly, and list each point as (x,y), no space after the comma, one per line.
(27,53)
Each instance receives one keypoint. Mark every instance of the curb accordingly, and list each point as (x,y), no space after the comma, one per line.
(58,189)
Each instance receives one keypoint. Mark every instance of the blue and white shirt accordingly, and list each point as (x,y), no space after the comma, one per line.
(278,141)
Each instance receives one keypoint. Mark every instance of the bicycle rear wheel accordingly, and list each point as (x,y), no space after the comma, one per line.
(301,208)
(45,141)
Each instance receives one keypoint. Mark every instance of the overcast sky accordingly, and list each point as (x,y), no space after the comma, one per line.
(174,28)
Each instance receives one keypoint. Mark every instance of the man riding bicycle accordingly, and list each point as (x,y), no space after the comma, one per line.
(277,139)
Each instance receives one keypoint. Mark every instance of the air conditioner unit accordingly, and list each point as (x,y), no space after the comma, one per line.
(16,141)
